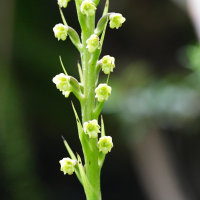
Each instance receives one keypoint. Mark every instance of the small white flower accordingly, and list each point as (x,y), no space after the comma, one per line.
(67,165)
(88,7)
(108,63)
(105,144)
(93,43)
(63,3)
(103,91)
(91,128)
(62,83)
(116,20)
(60,31)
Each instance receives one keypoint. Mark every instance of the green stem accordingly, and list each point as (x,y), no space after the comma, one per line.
(87,107)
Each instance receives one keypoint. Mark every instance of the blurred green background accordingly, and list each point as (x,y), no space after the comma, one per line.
(153,113)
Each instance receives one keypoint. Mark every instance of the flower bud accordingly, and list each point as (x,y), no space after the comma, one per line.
(91,128)
(116,20)
(60,31)
(67,165)
(88,7)
(62,83)
(105,144)
(103,91)
(108,63)
(63,3)
(93,43)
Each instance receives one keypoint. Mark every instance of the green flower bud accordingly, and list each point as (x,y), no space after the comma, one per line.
(93,43)
(67,165)
(91,128)
(62,83)
(63,3)
(103,91)
(105,144)
(88,7)
(116,20)
(60,31)
(108,63)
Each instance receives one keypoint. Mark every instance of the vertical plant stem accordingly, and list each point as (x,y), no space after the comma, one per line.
(87,107)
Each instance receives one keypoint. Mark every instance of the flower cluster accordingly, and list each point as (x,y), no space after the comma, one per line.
(105,144)
(91,128)
(116,20)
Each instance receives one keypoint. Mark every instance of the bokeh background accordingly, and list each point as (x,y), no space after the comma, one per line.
(153,113)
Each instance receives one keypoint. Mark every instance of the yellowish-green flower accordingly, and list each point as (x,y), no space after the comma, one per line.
(93,43)
(108,63)
(105,144)
(91,128)
(63,3)
(116,20)
(60,31)
(103,91)
(62,83)
(88,7)
(67,165)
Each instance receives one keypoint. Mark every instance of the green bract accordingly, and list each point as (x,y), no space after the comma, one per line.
(60,31)
(63,3)
(105,144)
(67,165)
(108,63)
(93,43)
(116,20)
(103,91)
(91,128)
(62,83)
(88,8)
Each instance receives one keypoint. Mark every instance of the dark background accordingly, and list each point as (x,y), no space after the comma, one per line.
(153,107)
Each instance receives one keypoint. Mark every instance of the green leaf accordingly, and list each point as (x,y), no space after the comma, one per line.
(75,87)
(63,18)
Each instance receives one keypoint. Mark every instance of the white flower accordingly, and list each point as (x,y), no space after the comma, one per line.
(88,7)
(108,63)
(93,43)
(103,91)
(91,128)
(67,165)
(60,31)
(105,144)
(63,3)
(116,20)
(62,83)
